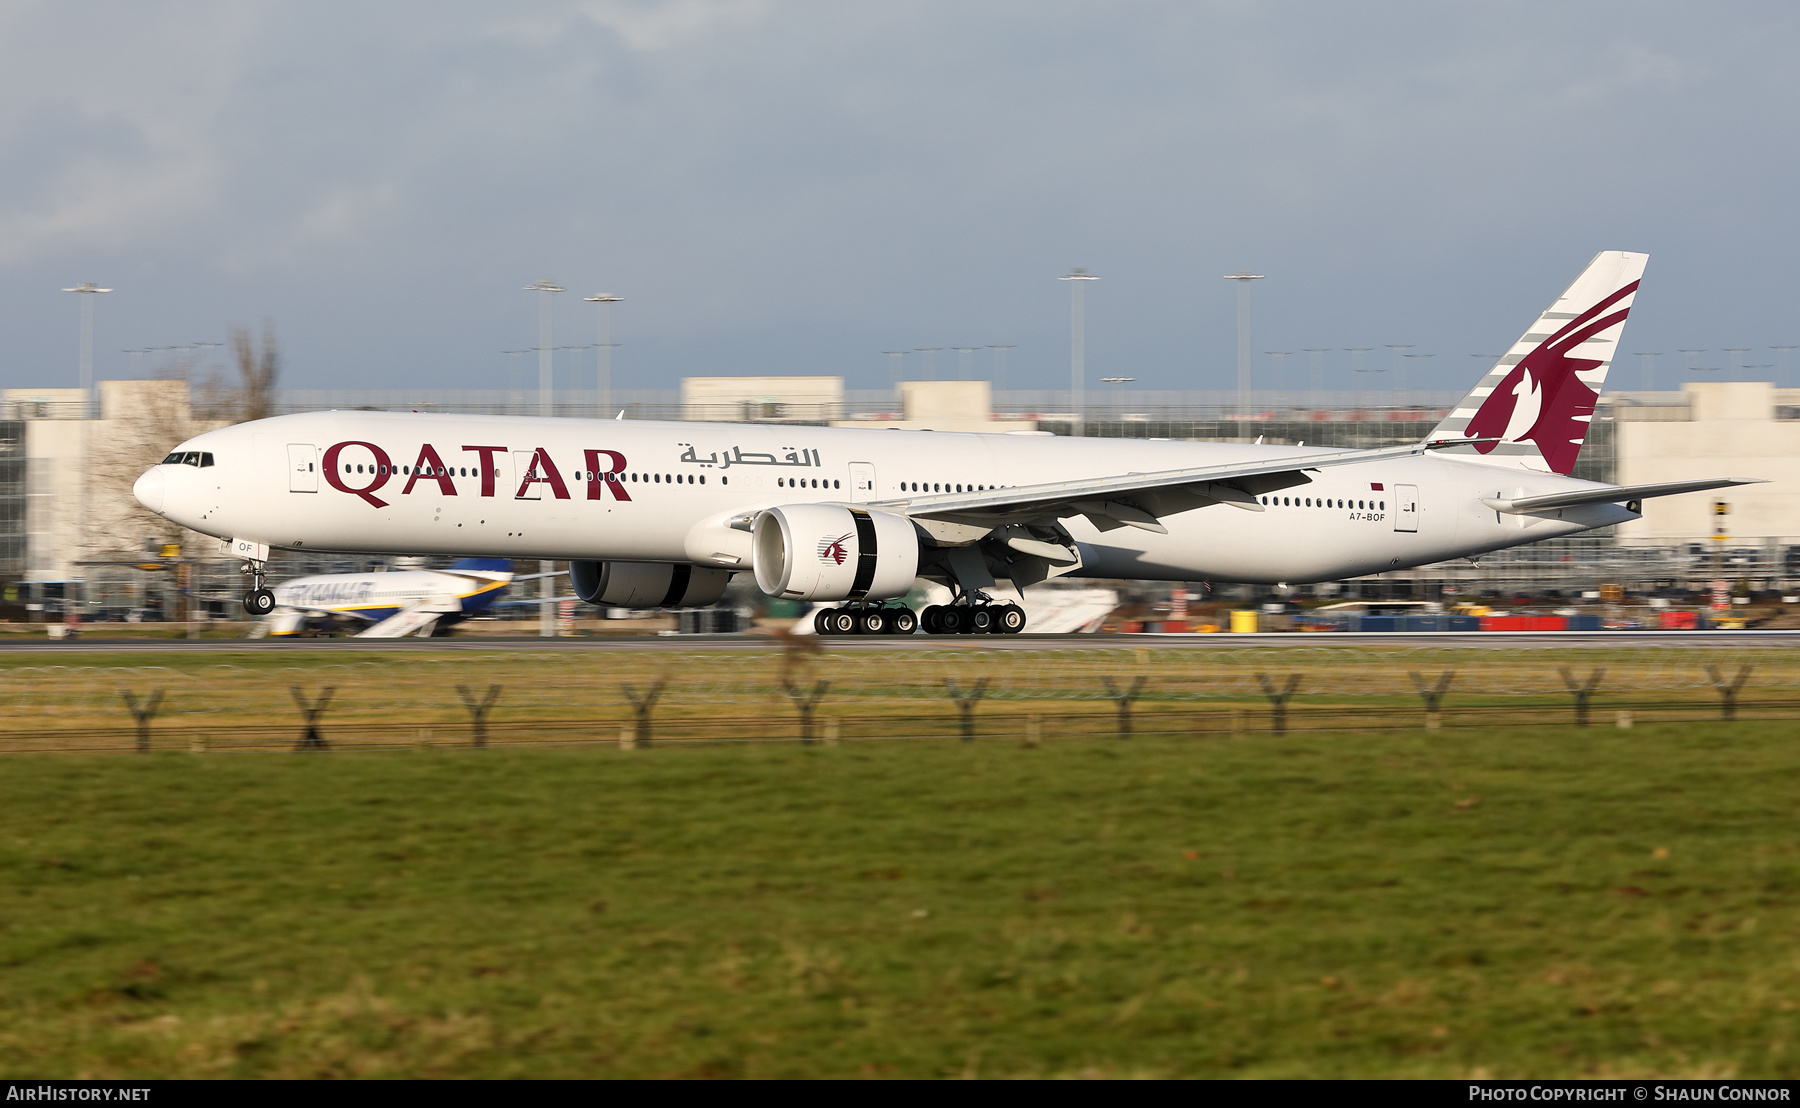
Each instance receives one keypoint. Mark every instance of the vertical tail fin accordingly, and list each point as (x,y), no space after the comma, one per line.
(1538,400)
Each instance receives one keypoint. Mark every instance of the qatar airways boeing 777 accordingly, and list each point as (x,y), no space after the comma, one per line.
(661,514)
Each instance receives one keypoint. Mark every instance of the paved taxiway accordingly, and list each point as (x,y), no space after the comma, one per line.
(1484,640)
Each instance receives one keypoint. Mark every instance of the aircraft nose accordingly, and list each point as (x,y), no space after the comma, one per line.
(149,489)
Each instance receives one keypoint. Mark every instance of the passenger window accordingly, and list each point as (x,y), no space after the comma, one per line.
(703,478)
(724,480)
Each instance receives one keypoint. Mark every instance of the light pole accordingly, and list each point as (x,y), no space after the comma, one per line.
(1318,367)
(1243,278)
(930,353)
(605,300)
(1117,412)
(897,367)
(1078,279)
(1734,351)
(1784,355)
(1000,364)
(965,361)
(88,291)
(1280,374)
(1399,367)
(1403,400)
(546,289)
(1690,352)
(1649,364)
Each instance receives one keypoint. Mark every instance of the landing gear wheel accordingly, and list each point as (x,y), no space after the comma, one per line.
(928,619)
(952,620)
(872,621)
(901,621)
(259,602)
(840,622)
(819,621)
(1009,619)
(981,620)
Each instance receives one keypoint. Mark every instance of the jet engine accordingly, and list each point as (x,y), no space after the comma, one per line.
(647,584)
(829,552)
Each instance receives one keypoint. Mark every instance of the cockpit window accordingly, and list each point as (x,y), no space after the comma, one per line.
(192,458)
(205,459)
(174,459)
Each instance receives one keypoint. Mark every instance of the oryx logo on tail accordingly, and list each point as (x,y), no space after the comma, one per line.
(1538,401)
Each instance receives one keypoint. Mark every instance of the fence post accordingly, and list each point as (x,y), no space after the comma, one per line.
(1728,690)
(1583,692)
(805,702)
(1433,697)
(143,712)
(1278,699)
(641,706)
(965,704)
(1123,701)
(478,710)
(313,713)
(1034,731)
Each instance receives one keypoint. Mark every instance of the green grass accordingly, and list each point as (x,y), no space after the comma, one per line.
(1533,902)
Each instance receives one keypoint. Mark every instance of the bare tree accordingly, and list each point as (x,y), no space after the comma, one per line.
(257,372)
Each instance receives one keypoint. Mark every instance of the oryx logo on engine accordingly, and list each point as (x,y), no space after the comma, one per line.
(832,552)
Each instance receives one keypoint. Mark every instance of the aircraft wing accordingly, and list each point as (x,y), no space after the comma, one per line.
(1137,499)
(1613,494)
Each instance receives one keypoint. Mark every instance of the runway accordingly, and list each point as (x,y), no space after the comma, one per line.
(1483,640)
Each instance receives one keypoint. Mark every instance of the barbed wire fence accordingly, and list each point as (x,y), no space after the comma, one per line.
(739,696)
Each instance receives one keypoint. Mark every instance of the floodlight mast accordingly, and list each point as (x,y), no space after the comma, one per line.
(88,291)
(1243,278)
(546,288)
(605,301)
(1000,364)
(1077,279)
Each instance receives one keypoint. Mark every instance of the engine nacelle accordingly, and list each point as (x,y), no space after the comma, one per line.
(648,584)
(828,552)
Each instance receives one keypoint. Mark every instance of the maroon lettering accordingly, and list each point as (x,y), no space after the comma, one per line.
(489,470)
(430,467)
(334,474)
(599,480)
(543,469)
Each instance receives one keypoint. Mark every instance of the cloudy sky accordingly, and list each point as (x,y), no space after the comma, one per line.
(789,186)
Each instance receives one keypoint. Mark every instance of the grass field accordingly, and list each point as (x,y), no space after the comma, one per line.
(1544,901)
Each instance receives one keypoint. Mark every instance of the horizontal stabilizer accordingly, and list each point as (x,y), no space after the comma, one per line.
(1612,494)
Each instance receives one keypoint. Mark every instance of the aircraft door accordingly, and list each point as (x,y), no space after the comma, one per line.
(1406,507)
(862,482)
(303,467)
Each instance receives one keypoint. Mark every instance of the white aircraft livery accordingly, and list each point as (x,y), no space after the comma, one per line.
(661,514)
(392,604)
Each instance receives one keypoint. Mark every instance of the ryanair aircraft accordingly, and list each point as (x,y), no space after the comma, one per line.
(393,604)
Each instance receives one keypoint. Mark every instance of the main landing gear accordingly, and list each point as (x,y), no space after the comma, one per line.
(259,601)
(978,618)
(867,620)
(982,617)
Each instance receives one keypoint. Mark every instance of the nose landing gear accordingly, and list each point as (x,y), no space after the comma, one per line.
(259,601)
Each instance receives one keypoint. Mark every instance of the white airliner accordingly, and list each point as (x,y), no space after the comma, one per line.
(654,514)
(393,604)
